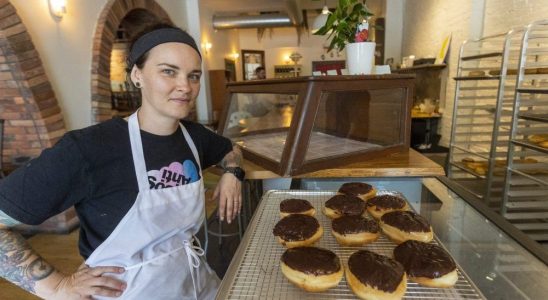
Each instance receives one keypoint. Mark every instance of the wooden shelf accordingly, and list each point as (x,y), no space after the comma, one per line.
(420,67)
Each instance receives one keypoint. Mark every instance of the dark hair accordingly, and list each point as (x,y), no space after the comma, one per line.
(259,68)
(140,62)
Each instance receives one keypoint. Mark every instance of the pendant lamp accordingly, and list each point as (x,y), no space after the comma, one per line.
(320,20)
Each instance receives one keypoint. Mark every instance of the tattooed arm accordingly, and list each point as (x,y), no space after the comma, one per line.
(22,266)
(18,263)
(229,188)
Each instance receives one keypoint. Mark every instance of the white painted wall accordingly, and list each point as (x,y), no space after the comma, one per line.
(501,15)
(65,49)
(224,43)
(427,22)
(393,29)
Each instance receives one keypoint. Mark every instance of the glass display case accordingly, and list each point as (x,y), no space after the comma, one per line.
(298,125)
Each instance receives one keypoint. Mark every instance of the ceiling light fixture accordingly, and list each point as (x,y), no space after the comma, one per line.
(57,8)
(321,19)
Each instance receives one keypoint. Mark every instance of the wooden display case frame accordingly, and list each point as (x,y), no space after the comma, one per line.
(309,91)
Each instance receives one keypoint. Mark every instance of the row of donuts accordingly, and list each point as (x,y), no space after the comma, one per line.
(347,210)
(369,275)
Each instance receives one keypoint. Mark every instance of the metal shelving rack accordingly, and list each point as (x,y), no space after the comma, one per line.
(482,113)
(525,201)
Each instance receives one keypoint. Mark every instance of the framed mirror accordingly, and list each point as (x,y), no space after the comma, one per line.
(251,59)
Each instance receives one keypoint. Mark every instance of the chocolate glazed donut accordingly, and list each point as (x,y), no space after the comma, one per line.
(374,276)
(296,206)
(355,230)
(297,230)
(427,264)
(344,205)
(401,226)
(361,190)
(312,269)
(381,204)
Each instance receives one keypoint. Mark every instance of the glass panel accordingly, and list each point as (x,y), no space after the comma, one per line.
(260,122)
(498,265)
(356,121)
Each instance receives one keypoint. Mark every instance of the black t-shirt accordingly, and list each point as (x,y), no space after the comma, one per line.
(93,170)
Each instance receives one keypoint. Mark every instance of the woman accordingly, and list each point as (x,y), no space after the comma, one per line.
(136,185)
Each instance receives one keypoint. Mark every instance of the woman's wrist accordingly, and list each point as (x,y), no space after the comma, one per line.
(48,286)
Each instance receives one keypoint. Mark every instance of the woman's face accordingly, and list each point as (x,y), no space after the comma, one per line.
(170,81)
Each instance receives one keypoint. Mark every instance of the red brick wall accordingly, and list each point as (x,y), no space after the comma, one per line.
(27,101)
(105,33)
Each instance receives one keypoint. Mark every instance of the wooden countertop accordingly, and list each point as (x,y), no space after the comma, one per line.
(406,164)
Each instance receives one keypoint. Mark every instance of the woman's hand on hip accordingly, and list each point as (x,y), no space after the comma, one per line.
(229,191)
(88,282)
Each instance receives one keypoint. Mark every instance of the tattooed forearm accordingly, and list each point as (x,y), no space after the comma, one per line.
(18,263)
(232,159)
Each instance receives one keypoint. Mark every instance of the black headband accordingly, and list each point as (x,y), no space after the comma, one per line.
(157,37)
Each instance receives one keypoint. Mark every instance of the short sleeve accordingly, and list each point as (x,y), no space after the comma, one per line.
(47,185)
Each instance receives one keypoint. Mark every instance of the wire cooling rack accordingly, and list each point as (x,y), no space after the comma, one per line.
(255,270)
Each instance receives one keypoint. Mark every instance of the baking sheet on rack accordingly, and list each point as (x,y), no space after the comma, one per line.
(258,276)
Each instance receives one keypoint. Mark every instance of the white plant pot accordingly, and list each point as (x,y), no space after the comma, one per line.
(360,58)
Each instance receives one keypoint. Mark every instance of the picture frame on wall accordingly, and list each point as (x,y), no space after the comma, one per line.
(251,60)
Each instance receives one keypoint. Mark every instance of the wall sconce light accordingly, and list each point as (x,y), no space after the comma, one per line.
(207,46)
(287,60)
(57,8)
(235,55)
(295,57)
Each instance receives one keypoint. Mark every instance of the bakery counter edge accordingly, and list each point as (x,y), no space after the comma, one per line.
(402,164)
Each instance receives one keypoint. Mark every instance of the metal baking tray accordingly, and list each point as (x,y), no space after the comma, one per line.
(254,272)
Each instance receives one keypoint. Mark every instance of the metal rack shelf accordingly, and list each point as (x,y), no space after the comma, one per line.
(534,117)
(532,90)
(530,145)
(255,270)
(482,113)
(494,77)
(480,56)
(525,197)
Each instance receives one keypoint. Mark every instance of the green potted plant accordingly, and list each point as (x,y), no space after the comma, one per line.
(347,27)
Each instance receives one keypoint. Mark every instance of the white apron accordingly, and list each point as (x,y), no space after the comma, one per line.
(155,242)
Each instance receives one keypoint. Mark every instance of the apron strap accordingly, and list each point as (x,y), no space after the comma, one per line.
(137,152)
(193,254)
(196,157)
(192,147)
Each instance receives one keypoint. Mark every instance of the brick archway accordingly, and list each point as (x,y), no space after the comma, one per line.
(105,35)
(33,119)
